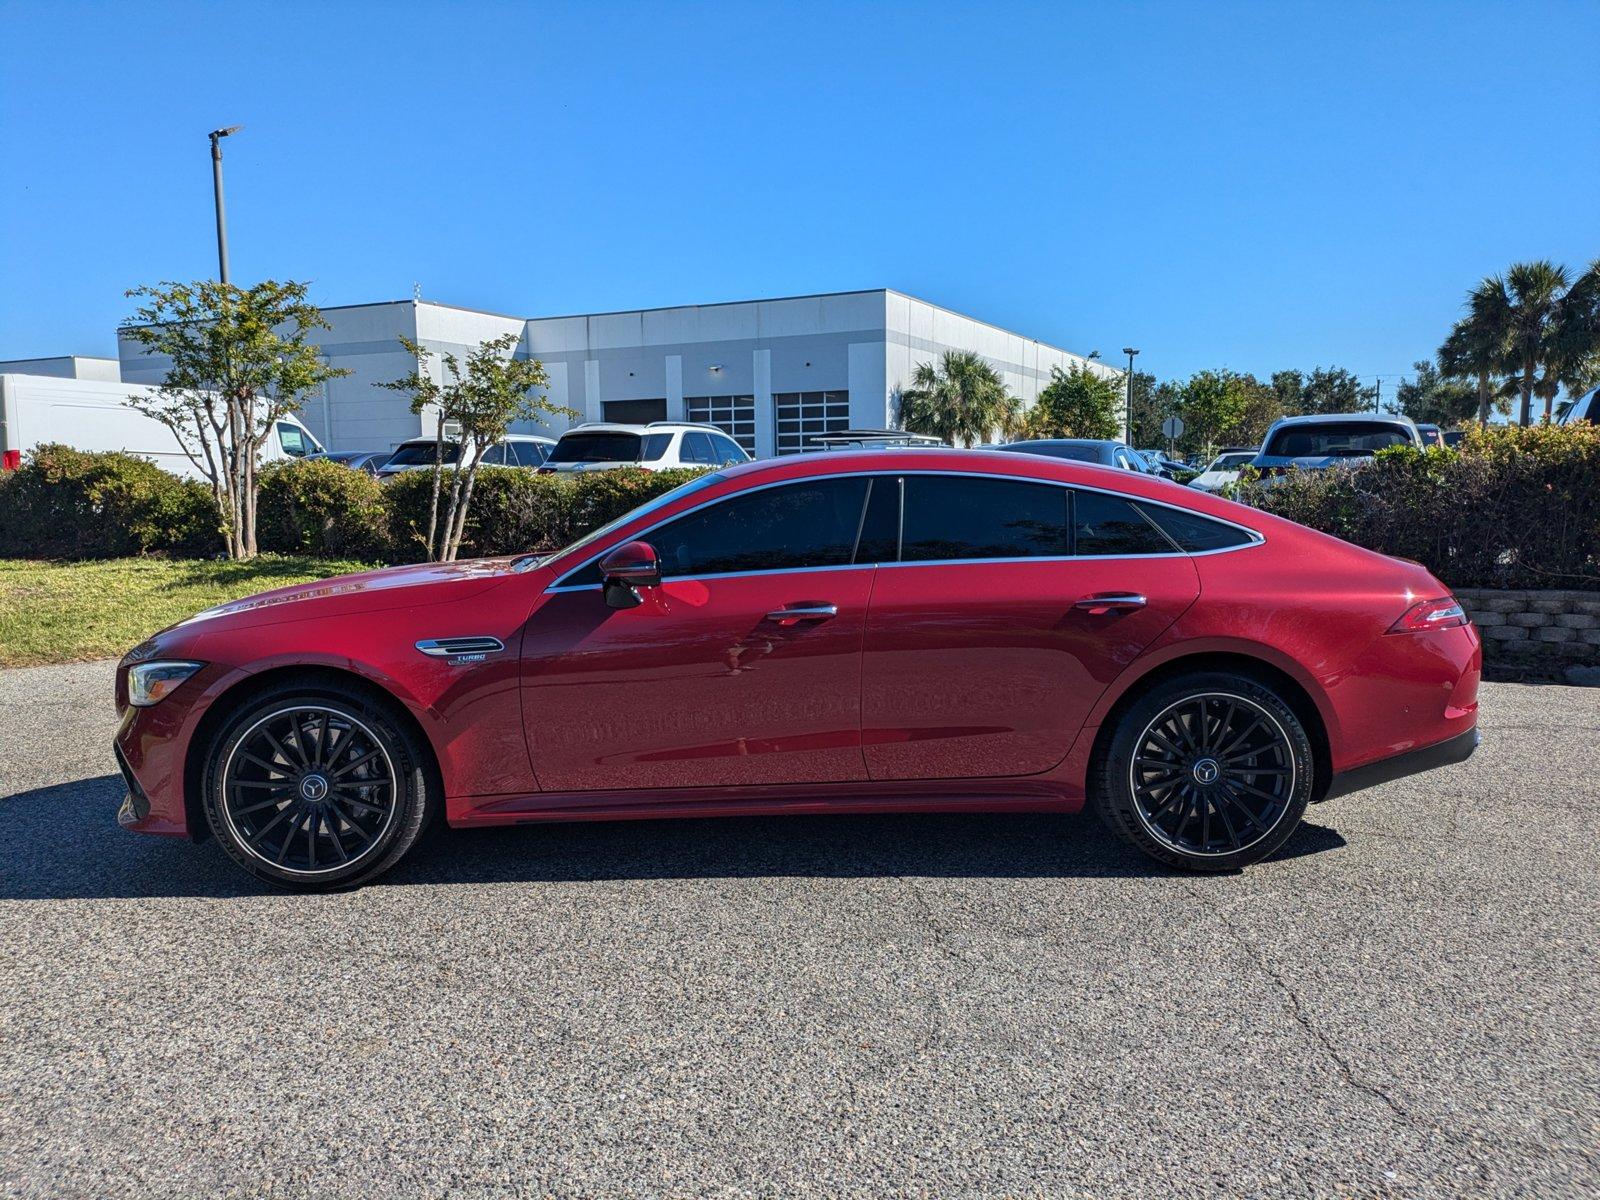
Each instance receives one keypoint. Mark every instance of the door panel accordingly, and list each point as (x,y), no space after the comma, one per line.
(698,686)
(974,669)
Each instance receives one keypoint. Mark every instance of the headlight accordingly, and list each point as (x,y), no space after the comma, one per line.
(152,682)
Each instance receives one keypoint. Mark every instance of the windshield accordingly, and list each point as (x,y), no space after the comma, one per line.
(1355,439)
(677,493)
(1230,462)
(611,446)
(1088,454)
(421,454)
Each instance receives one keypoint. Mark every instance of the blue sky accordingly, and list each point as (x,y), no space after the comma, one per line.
(1253,186)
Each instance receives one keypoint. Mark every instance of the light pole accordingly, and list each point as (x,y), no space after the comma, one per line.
(1127,400)
(216,180)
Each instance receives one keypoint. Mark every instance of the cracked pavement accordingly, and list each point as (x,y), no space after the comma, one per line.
(1402,1003)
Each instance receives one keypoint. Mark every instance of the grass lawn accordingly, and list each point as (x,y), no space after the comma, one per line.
(52,612)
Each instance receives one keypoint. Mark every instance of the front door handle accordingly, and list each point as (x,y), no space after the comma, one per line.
(796,613)
(1110,602)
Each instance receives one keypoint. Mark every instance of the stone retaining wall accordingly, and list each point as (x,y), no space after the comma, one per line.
(1537,628)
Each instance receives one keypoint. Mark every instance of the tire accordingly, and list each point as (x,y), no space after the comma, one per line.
(1207,793)
(331,806)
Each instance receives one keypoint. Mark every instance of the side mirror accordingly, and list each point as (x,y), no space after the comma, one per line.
(630,566)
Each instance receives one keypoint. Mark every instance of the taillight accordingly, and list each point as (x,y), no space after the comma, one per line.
(10,460)
(1444,612)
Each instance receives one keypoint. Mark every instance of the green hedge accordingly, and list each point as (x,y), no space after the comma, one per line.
(65,503)
(514,511)
(322,509)
(70,504)
(1510,507)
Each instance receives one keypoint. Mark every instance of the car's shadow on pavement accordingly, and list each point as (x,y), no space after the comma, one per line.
(63,842)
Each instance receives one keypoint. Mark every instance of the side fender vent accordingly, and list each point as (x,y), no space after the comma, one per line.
(451,646)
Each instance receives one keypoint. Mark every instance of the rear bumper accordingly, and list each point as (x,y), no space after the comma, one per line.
(1413,762)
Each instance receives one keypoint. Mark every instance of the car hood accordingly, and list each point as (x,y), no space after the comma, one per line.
(370,591)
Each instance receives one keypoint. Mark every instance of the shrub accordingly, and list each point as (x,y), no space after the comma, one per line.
(1510,507)
(322,509)
(515,510)
(65,503)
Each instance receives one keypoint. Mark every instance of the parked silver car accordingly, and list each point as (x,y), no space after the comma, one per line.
(1088,450)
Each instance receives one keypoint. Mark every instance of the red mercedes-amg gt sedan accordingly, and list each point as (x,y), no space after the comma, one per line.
(872,631)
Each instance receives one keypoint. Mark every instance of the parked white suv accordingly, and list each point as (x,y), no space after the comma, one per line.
(658,446)
(514,450)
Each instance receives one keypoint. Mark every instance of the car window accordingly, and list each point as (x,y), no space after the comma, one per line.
(1088,454)
(880,526)
(968,516)
(614,445)
(1332,439)
(1107,525)
(495,456)
(1128,461)
(697,448)
(655,447)
(727,450)
(808,524)
(526,454)
(421,454)
(1193,532)
(292,439)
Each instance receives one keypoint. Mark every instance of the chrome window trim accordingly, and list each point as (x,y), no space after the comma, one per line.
(1256,538)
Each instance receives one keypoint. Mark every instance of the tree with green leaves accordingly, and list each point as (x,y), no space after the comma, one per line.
(240,360)
(1479,346)
(1550,328)
(1431,397)
(1211,404)
(1149,404)
(1325,390)
(1076,404)
(962,399)
(481,399)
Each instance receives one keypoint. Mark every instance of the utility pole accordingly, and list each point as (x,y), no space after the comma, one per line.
(1127,398)
(216,136)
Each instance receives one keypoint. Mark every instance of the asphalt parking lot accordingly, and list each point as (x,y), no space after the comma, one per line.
(1402,1003)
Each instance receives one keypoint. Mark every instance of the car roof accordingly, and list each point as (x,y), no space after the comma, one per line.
(651,427)
(1344,419)
(1067,442)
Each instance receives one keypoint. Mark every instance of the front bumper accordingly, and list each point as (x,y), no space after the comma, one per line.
(1413,762)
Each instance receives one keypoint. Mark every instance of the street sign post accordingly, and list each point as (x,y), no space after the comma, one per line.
(1172,428)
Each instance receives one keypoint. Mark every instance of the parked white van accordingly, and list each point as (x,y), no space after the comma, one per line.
(91,414)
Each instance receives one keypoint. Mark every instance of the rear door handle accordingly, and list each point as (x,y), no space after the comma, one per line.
(1110,602)
(796,613)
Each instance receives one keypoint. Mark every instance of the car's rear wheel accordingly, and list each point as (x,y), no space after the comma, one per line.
(1211,771)
(315,790)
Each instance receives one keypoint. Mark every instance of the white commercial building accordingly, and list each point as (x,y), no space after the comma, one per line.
(770,372)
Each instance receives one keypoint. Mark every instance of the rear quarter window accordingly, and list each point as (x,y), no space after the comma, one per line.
(1194,533)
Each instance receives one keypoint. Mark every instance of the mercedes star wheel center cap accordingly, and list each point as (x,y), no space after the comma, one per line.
(313,788)
(1206,772)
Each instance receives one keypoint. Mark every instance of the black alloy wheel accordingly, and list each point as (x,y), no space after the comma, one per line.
(1210,771)
(315,791)
(1212,774)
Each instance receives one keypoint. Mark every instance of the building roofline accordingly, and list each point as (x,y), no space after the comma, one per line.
(617,312)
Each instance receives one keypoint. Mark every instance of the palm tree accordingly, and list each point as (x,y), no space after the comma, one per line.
(963,397)
(1478,344)
(1528,299)
(1575,348)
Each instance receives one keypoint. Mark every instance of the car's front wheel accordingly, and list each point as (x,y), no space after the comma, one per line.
(1211,771)
(315,790)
